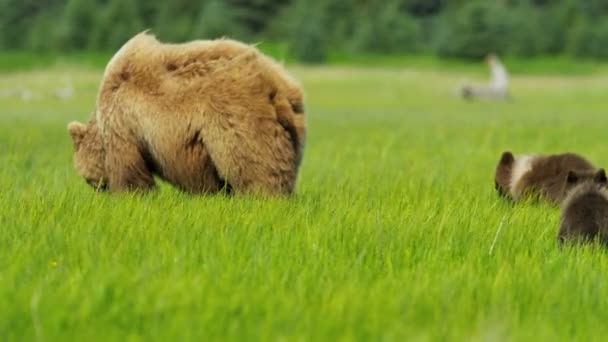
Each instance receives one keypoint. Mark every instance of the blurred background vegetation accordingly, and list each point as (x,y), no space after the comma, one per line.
(314,30)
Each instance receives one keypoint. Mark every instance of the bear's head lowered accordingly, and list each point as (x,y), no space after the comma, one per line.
(89,153)
(502,175)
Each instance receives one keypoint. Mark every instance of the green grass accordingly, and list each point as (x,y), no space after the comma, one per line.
(562,65)
(18,61)
(387,238)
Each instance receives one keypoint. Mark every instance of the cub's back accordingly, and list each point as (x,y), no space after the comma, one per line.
(585,213)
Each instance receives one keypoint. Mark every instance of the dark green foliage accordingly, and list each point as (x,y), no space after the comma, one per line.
(79,20)
(424,8)
(255,14)
(175,19)
(525,27)
(148,11)
(474,30)
(18,17)
(594,9)
(312,29)
(590,39)
(42,33)
(217,20)
(536,31)
(304,29)
(389,29)
(118,22)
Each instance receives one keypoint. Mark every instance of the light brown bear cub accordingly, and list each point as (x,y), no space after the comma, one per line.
(584,215)
(198,115)
(537,175)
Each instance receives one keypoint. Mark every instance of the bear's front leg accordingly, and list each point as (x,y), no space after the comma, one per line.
(126,167)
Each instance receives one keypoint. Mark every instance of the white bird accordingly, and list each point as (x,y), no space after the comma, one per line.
(497,88)
(499,80)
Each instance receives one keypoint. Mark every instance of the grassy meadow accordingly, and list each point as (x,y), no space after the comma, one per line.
(391,235)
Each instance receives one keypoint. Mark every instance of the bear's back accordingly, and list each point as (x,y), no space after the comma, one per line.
(145,64)
(585,212)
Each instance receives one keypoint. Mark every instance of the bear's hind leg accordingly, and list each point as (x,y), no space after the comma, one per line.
(127,168)
(191,169)
(254,156)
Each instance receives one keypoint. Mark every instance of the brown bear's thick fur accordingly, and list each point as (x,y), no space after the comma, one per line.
(537,175)
(585,209)
(197,114)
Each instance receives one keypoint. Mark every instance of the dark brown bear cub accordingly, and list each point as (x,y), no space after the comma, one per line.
(519,177)
(585,210)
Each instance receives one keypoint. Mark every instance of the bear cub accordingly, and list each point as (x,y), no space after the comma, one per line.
(584,215)
(537,175)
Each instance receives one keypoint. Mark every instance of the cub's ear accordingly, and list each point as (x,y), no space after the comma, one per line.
(572,177)
(600,176)
(507,158)
(77,131)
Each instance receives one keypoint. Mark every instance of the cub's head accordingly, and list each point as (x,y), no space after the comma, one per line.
(579,182)
(502,176)
(89,153)
(575,177)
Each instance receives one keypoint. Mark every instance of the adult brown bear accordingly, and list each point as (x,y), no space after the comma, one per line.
(198,114)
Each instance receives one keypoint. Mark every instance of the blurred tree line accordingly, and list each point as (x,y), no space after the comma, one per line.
(312,28)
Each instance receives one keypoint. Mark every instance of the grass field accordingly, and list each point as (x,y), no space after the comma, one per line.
(388,237)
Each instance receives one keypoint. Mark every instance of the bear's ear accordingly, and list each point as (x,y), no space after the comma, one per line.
(77,131)
(572,177)
(600,176)
(507,158)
